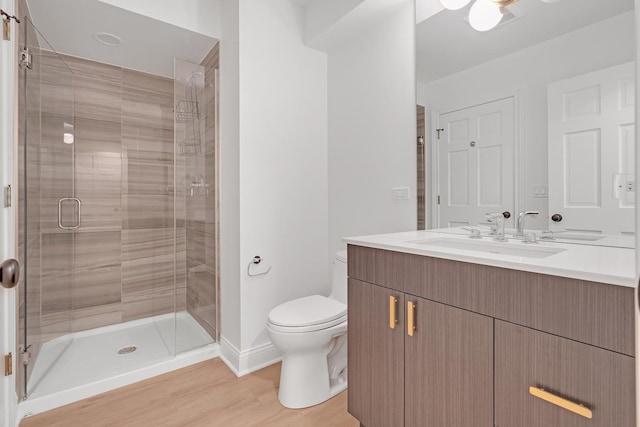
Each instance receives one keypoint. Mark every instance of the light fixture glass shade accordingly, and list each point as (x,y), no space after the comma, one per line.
(454,4)
(484,15)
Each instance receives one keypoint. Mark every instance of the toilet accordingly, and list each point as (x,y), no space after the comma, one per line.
(311,334)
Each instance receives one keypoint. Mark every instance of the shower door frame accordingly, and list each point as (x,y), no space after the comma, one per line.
(8,171)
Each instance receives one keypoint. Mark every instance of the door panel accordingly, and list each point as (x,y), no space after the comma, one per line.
(449,368)
(376,356)
(591,151)
(601,380)
(476,162)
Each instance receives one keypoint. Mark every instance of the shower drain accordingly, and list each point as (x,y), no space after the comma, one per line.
(127,350)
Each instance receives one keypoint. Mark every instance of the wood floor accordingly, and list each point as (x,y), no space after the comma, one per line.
(207,394)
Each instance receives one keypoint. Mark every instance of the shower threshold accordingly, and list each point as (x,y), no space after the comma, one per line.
(83,364)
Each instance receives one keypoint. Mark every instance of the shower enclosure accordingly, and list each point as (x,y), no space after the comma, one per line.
(117,221)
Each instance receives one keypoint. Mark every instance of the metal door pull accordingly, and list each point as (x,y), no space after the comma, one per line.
(9,273)
(75,200)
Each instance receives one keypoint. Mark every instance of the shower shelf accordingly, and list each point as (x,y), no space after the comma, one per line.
(187,111)
(190,147)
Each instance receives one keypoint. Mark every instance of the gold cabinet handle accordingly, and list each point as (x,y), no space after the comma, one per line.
(411,318)
(393,316)
(559,401)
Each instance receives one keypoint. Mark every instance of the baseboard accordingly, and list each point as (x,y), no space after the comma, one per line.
(244,362)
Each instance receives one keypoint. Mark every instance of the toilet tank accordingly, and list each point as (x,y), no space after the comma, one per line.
(339,279)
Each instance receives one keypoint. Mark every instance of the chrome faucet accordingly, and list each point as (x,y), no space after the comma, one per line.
(521,217)
(497,218)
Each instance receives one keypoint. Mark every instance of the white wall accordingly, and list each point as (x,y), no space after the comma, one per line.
(321,15)
(274,166)
(526,74)
(230,271)
(372,129)
(201,16)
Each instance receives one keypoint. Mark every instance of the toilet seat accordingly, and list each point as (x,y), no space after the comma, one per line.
(306,314)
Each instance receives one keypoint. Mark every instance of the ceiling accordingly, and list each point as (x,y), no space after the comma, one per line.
(446,43)
(149,45)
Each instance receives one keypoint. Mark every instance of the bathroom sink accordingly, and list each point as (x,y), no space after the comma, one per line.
(518,249)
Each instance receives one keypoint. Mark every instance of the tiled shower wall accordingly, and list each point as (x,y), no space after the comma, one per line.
(123,263)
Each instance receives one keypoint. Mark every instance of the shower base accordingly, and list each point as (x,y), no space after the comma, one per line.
(80,365)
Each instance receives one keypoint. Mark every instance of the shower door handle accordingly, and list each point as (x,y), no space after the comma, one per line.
(9,273)
(73,199)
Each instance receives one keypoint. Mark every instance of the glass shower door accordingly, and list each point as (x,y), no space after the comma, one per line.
(195,131)
(49,211)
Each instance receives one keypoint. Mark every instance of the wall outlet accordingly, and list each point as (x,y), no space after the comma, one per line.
(400,193)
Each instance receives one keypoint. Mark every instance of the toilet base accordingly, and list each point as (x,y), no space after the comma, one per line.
(304,381)
(312,374)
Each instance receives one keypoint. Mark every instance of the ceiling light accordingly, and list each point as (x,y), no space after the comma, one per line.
(484,14)
(454,4)
(108,39)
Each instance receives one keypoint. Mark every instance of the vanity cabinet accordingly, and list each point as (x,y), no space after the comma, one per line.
(439,373)
(485,339)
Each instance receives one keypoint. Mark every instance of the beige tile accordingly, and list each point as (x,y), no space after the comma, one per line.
(151,302)
(146,143)
(57,272)
(98,187)
(146,88)
(98,89)
(141,211)
(148,177)
(147,100)
(96,317)
(201,296)
(98,269)
(90,70)
(148,268)
(56,85)
(98,137)
(56,324)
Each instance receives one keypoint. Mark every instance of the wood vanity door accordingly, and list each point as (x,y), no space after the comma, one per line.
(601,380)
(448,367)
(376,356)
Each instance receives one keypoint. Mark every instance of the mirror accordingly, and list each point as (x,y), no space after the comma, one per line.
(546,77)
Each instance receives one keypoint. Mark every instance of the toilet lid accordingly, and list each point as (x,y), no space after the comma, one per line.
(307,311)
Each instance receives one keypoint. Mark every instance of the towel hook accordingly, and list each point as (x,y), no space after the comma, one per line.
(255,261)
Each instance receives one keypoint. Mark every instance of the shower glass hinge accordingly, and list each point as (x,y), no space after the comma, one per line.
(26,355)
(26,58)
(7,196)
(8,365)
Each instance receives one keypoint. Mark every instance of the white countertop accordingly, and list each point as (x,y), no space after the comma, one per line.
(604,264)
